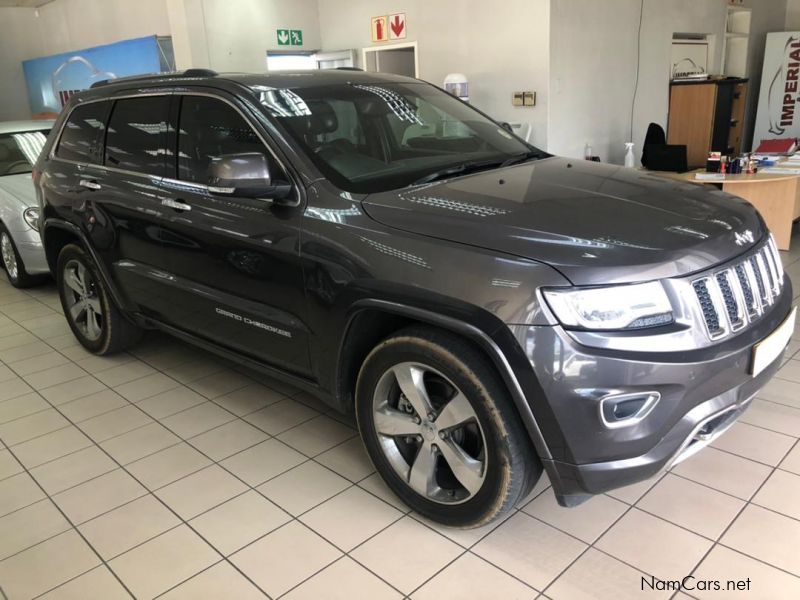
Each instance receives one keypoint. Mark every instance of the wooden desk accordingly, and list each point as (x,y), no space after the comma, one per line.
(774,195)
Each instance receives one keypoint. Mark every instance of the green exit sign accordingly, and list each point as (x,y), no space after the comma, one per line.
(290,37)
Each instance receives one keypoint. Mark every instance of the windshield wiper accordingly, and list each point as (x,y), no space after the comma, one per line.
(459,169)
(519,158)
(478,165)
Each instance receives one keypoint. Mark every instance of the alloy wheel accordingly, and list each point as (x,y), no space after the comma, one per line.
(83,302)
(9,256)
(429,433)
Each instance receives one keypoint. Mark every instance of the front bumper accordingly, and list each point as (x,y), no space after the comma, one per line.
(702,392)
(31,251)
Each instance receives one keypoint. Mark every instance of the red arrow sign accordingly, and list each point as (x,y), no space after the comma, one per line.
(398,24)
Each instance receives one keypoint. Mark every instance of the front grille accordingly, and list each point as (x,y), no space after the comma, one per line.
(732,298)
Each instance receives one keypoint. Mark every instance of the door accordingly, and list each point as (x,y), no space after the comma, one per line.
(106,170)
(129,219)
(234,261)
(336,60)
(397,59)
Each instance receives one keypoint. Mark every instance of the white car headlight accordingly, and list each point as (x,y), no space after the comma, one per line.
(31,216)
(618,307)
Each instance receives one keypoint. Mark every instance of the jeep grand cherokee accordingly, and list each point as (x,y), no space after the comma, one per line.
(487,311)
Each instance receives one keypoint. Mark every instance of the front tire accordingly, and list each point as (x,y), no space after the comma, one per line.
(441,430)
(12,262)
(94,319)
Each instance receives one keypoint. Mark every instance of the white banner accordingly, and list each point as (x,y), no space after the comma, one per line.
(778,112)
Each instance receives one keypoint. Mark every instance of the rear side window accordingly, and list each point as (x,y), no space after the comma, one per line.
(210,128)
(136,134)
(83,133)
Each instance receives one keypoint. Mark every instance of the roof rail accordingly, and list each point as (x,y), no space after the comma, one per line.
(348,68)
(149,76)
(199,73)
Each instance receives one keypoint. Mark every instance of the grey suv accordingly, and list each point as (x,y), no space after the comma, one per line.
(487,311)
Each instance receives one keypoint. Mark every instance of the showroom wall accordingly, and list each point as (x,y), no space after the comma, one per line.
(208,33)
(64,25)
(579,56)
(593,53)
(793,15)
(501,47)
(593,68)
(16,44)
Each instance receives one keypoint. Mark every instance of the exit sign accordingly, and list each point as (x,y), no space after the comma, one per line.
(290,37)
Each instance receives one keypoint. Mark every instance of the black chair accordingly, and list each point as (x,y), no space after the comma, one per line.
(657,155)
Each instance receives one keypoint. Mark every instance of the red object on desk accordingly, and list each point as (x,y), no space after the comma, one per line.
(781,146)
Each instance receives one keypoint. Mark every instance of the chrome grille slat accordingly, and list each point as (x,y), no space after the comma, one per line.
(772,270)
(734,306)
(732,298)
(773,246)
(760,288)
(747,291)
(763,279)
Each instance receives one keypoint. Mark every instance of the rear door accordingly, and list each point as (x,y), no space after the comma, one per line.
(124,193)
(105,173)
(234,261)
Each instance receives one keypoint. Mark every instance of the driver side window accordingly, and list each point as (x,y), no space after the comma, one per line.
(209,128)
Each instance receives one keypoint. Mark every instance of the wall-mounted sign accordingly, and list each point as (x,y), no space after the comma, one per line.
(380,29)
(290,37)
(397,26)
(51,80)
(778,115)
(388,27)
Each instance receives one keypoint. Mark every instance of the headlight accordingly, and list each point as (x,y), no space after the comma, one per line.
(618,307)
(31,216)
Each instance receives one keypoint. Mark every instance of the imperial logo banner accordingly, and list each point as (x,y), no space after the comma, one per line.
(778,111)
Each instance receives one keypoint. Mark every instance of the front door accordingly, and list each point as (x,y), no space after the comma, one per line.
(234,261)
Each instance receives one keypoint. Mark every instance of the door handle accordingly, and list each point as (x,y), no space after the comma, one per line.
(89,184)
(175,204)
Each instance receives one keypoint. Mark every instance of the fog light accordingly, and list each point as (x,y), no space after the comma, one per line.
(623,410)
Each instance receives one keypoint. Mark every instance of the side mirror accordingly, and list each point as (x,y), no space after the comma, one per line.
(507,127)
(246,175)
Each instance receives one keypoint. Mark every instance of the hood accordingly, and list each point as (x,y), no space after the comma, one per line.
(596,224)
(20,187)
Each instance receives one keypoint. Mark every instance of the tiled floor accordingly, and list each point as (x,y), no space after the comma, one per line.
(168,472)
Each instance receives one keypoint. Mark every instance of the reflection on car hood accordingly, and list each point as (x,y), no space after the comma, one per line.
(19,187)
(594,223)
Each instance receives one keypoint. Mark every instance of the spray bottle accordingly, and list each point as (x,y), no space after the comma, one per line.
(630,160)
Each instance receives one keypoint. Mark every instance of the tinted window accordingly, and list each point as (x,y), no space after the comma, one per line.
(210,128)
(18,151)
(136,134)
(82,133)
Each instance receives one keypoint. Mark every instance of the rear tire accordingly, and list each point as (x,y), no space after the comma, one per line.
(94,319)
(469,459)
(12,262)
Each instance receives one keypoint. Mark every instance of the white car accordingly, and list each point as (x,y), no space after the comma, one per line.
(21,248)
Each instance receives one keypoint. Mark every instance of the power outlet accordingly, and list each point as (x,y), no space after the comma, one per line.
(523,99)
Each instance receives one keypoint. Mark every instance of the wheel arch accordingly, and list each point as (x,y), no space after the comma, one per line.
(371,320)
(56,234)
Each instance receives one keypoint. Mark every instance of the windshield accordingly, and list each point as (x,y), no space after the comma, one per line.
(19,151)
(374,137)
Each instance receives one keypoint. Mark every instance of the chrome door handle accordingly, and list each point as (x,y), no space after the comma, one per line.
(88,183)
(175,204)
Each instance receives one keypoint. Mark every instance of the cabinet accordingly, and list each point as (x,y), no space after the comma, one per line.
(707,116)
